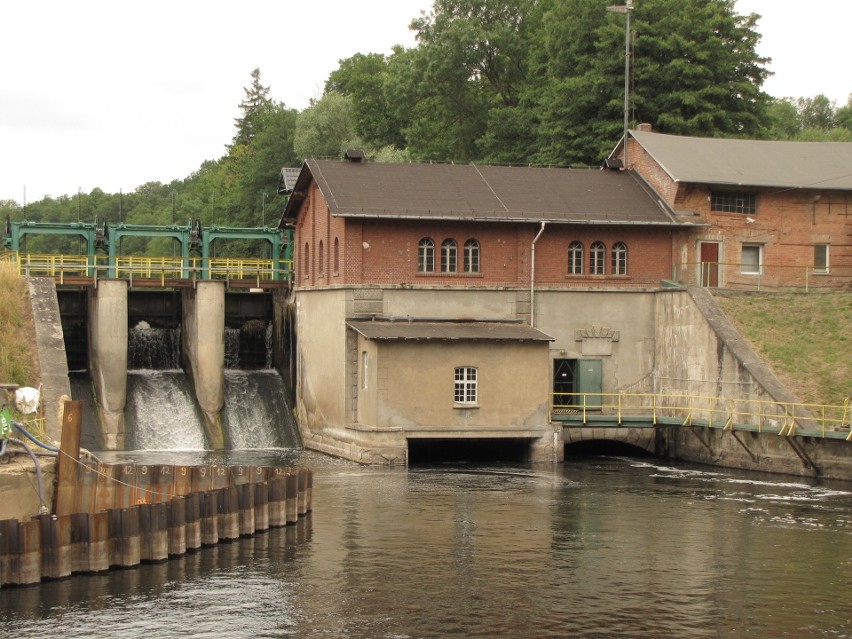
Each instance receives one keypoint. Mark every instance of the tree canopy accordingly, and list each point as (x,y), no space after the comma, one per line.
(490,81)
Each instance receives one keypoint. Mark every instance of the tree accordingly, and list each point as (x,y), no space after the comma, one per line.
(253,106)
(694,71)
(326,128)
(364,79)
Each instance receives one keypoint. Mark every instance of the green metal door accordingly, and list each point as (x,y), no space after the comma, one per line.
(589,379)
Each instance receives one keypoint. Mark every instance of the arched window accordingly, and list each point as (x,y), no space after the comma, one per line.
(471,256)
(575,258)
(426,256)
(449,253)
(597,254)
(465,385)
(306,260)
(336,256)
(619,259)
(321,259)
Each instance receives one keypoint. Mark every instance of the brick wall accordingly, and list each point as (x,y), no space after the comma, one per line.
(385,252)
(786,225)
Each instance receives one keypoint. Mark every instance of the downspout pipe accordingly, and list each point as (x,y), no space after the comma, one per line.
(532,273)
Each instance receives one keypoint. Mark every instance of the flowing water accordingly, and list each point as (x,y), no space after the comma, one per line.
(594,547)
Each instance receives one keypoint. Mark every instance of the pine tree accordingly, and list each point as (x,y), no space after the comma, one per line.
(254,105)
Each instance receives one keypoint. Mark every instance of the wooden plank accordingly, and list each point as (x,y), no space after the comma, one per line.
(69,455)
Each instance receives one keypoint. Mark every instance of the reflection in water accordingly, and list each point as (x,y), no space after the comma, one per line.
(595,548)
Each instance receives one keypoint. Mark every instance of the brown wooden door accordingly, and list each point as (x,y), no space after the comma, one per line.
(709,264)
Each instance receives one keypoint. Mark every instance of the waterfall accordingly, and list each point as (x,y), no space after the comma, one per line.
(257,411)
(161,412)
(153,348)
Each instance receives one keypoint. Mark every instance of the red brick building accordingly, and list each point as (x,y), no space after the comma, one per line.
(449,303)
(777,215)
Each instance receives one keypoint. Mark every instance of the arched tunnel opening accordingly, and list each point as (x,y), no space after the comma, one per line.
(436,451)
(603,448)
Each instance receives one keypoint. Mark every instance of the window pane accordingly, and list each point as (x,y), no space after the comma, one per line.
(465,385)
(426,256)
(575,258)
(449,251)
(750,260)
(471,256)
(821,257)
(733,202)
(619,258)
(596,258)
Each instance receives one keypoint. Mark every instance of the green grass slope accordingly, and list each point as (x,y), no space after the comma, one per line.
(805,338)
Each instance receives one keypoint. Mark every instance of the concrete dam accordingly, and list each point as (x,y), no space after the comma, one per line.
(183,369)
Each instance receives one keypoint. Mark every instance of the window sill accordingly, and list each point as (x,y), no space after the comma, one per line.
(461,406)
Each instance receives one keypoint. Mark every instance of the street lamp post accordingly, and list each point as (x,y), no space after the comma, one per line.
(625,8)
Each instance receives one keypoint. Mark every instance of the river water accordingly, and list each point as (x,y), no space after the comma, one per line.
(595,547)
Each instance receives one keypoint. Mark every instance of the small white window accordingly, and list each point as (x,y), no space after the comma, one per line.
(465,386)
(365,361)
(752,259)
(821,258)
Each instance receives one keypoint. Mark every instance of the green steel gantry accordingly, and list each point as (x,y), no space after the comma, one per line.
(106,238)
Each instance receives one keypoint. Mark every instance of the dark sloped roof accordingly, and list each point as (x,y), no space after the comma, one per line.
(444,331)
(816,165)
(488,193)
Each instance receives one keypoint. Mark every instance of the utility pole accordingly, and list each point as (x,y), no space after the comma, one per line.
(625,9)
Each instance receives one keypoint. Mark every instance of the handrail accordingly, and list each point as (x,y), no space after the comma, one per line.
(160,267)
(730,413)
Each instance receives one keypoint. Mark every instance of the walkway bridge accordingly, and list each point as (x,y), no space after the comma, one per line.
(194,257)
(654,410)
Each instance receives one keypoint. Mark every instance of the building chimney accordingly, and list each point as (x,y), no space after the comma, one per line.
(644,126)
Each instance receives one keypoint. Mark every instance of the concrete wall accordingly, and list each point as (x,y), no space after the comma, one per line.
(616,327)
(322,369)
(700,353)
(203,350)
(108,357)
(53,365)
(415,383)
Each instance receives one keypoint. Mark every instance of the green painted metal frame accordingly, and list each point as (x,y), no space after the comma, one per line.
(100,235)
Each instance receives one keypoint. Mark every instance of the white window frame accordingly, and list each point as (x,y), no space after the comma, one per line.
(426,255)
(575,258)
(471,256)
(597,258)
(748,268)
(449,256)
(465,386)
(821,263)
(619,259)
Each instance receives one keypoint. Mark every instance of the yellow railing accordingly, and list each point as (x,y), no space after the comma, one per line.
(160,268)
(754,415)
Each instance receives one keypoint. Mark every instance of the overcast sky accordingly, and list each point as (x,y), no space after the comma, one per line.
(111,94)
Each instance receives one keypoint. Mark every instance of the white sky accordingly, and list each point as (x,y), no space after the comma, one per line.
(111,94)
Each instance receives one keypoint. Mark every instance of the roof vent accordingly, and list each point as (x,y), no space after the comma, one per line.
(354,155)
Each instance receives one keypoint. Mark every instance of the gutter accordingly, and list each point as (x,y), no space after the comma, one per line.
(532,274)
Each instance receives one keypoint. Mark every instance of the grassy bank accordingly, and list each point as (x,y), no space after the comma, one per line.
(17,349)
(805,338)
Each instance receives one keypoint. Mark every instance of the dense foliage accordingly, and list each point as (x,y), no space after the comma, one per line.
(491,81)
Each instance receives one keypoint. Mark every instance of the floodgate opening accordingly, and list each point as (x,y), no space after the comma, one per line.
(430,451)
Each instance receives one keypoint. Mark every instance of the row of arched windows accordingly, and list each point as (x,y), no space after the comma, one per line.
(306,261)
(597,259)
(449,257)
